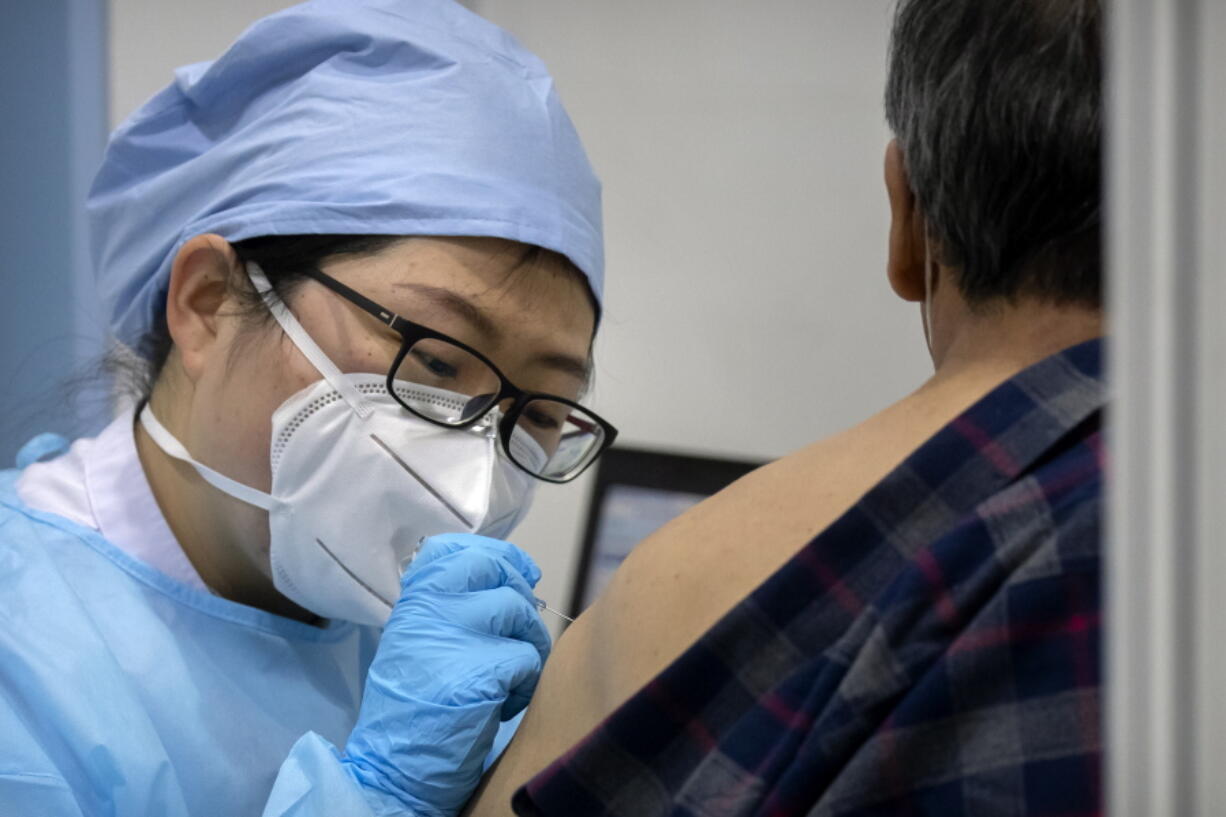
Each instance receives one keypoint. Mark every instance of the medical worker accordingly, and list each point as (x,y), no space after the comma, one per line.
(361,254)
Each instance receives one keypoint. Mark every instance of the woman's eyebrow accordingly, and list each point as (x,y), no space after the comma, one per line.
(579,369)
(465,309)
(458,305)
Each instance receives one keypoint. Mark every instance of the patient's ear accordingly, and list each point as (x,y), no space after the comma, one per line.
(907,256)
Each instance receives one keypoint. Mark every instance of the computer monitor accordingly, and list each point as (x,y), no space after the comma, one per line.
(636,493)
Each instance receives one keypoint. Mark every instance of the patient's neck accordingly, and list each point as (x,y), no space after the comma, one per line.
(998,341)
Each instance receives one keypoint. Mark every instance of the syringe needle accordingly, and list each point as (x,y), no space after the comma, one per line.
(541,605)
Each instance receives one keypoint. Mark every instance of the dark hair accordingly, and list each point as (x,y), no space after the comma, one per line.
(997,106)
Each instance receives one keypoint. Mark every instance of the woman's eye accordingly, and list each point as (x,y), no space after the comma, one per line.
(440,368)
(541,420)
(435,365)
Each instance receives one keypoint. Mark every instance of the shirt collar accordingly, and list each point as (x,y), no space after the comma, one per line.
(123,505)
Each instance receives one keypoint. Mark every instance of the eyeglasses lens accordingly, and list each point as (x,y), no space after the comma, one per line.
(455,385)
(555,440)
(442,382)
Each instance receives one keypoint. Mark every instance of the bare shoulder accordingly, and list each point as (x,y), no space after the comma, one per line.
(680,581)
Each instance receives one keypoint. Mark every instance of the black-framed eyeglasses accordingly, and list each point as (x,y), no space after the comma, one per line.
(451,384)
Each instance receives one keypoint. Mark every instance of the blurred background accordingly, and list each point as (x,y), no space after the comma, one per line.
(740,145)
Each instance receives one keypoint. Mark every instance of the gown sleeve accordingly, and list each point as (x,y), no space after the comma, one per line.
(313,782)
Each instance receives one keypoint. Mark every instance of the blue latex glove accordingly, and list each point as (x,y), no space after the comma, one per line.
(463,650)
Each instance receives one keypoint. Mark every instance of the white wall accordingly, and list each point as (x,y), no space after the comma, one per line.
(150,38)
(747,311)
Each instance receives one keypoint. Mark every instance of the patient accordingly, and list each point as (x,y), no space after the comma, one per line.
(906,617)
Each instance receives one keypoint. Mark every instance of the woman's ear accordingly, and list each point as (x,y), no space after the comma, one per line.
(198,288)
(907,250)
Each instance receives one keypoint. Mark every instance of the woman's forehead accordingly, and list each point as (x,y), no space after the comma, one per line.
(485,293)
(493,274)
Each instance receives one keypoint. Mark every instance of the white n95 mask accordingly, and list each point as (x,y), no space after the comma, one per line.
(357,481)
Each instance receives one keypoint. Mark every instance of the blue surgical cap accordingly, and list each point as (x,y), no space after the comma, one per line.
(381,117)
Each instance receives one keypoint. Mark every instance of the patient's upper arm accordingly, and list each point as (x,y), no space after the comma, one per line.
(673,588)
(680,581)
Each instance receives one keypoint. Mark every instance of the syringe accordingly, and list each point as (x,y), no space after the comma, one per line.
(541,605)
(539,602)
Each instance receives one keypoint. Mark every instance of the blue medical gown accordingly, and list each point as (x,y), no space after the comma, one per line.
(123,692)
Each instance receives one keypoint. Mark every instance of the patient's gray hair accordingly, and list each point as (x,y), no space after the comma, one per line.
(997,107)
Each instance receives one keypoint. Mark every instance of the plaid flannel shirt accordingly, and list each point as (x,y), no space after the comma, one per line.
(936,651)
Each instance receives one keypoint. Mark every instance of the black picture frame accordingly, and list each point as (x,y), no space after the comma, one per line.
(655,471)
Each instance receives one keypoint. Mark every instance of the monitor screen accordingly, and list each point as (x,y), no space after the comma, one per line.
(636,493)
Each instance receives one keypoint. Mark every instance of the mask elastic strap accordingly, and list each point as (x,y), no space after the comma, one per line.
(929,275)
(173,448)
(306,344)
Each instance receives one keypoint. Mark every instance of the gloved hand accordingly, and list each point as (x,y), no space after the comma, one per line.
(463,650)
